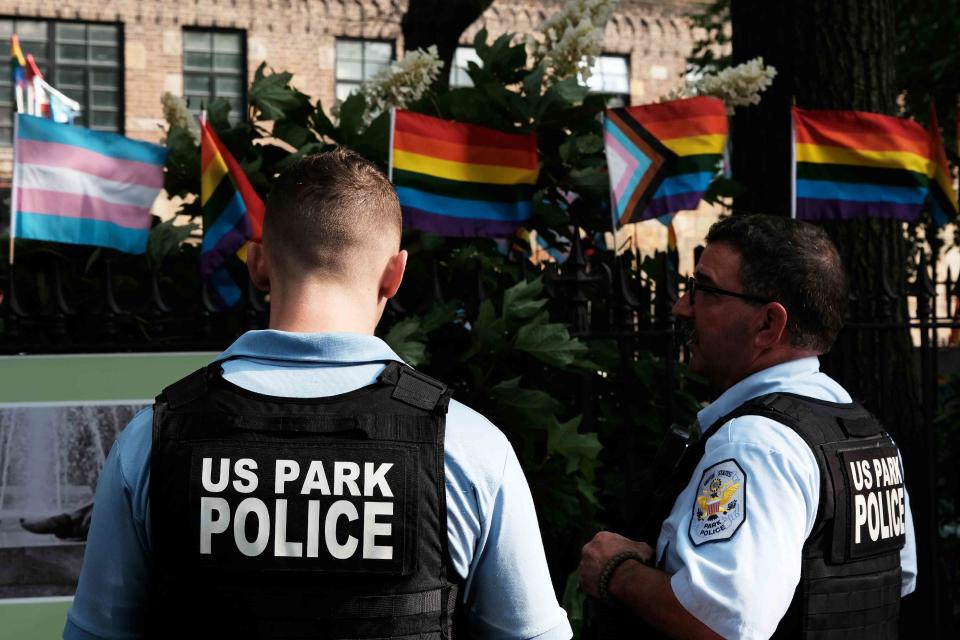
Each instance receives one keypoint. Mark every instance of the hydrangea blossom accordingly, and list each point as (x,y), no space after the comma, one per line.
(402,83)
(573,37)
(176,114)
(737,86)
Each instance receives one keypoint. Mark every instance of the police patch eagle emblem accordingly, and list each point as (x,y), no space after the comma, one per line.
(720,506)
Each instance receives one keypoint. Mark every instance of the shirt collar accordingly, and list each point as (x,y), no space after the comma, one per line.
(339,348)
(779,377)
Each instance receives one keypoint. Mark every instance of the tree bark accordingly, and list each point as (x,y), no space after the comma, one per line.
(838,54)
(440,22)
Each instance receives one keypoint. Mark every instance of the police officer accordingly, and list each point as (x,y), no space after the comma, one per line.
(789,516)
(308,484)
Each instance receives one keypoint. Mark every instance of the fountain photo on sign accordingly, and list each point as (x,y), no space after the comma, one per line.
(59,418)
(50,458)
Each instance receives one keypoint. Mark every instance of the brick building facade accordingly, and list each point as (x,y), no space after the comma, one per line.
(138,49)
(300,36)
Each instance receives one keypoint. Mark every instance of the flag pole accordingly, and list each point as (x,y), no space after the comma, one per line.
(393,124)
(793,165)
(13,188)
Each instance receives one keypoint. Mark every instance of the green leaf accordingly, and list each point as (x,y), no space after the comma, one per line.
(218,111)
(306,150)
(570,90)
(489,330)
(351,115)
(579,450)
(322,124)
(405,339)
(590,179)
(373,143)
(440,314)
(522,301)
(272,96)
(589,143)
(533,83)
(530,407)
(722,188)
(164,240)
(296,135)
(549,214)
(182,175)
(480,42)
(549,343)
(573,601)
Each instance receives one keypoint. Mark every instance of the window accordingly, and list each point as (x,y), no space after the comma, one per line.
(215,66)
(84,60)
(458,70)
(611,74)
(358,61)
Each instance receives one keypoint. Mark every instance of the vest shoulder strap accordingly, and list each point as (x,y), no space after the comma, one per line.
(816,421)
(415,388)
(186,390)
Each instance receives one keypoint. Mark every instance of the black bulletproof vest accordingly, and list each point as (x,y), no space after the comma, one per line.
(300,518)
(850,569)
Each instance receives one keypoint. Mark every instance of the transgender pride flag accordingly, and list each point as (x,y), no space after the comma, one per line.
(78,186)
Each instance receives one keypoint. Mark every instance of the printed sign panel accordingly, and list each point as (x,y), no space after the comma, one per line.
(59,417)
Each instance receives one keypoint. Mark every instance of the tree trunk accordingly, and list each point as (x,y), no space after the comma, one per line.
(838,54)
(440,22)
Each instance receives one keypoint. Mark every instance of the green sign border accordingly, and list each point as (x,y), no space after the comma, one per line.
(86,377)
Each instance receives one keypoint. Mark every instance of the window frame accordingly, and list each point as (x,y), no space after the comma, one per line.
(53,69)
(625,97)
(454,68)
(363,60)
(213,74)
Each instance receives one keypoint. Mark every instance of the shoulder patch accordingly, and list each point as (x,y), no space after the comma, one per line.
(720,505)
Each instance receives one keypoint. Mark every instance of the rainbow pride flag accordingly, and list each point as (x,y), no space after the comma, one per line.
(694,132)
(462,180)
(18,74)
(78,186)
(943,197)
(851,164)
(232,215)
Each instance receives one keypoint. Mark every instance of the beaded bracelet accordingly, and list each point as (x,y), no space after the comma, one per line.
(611,566)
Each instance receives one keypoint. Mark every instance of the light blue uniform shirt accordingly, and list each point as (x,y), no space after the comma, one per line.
(491,522)
(741,586)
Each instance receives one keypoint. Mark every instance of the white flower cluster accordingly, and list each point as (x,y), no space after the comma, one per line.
(402,83)
(737,86)
(176,114)
(573,37)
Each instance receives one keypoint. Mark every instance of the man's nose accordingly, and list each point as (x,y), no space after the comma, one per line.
(683,308)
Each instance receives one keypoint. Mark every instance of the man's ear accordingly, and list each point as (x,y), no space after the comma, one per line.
(393,274)
(257,266)
(772,325)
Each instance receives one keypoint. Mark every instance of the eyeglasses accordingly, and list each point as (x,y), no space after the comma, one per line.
(693,285)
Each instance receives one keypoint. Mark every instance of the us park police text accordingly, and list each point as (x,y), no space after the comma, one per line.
(879,501)
(346,479)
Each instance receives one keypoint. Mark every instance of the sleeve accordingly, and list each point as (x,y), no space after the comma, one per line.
(114,581)
(511,596)
(726,554)
(908,555)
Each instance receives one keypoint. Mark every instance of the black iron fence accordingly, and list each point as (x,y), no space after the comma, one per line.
(72,303)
